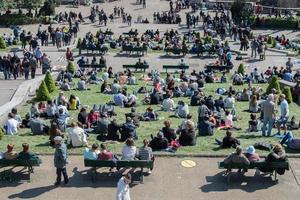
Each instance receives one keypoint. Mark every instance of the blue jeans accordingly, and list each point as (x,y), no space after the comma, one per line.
(269,121)
(288,137)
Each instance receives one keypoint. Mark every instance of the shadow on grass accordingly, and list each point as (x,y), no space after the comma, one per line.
(248,136)
(45,144)
(218,183)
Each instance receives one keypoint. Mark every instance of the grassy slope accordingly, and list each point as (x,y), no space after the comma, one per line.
(204,144)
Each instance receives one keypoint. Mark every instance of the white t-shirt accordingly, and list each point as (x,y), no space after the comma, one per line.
(11,126)
(129,153)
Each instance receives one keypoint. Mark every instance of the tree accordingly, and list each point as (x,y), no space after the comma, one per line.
(237,10)
(6,4)
(2,43)
(71,67)
(42,94)
(273,84)
(288,94)
(47,9)
(1,133)
(241,69)
(49,82)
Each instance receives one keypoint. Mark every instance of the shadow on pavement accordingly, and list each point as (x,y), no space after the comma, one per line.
(218,183)
(32,193)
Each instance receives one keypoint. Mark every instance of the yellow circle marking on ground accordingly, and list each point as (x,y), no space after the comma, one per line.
(188,163)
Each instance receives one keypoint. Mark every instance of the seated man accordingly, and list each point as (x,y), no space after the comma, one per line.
(10,154)
(159,142)
(11,126)
(76,136)
(136,117)
(104,153)
(128,130)
(150,115)
(205,127)
(237,158)
(25,154)
(120,99)
(228,141)
(168,104)
(91,154)
(113,130)
(145,152)
(291,142)
(182,110)
(38,126)
(101,128)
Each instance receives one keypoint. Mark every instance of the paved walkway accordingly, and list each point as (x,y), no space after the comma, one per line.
(169,180)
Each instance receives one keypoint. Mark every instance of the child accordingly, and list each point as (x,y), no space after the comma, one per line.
(253,123)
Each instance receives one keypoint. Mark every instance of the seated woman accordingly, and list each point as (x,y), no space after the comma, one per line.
(54,132)
(105,88)
(73,103)
(228,122)
(253,104)
(104,153)
(50,109)
(92,153)
(244,96)
(169,133)
(277,155)
(82,116)
(291,142)
(229,102)
(81,85)
(113,130)
(159,142)
(251,155)
(25,154)
(149,115)
(182,110)
(188,135)
(129,151)
(92,118)
(253,123)
(10,154)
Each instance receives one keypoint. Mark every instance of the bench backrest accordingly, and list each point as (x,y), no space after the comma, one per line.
(273,165)
(136,66)
(119,163)
(94,66)
(33,162)
(175,66)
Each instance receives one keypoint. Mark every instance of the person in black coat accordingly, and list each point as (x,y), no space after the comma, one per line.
(159,142)
(169,133)
(188,135)
(113,130)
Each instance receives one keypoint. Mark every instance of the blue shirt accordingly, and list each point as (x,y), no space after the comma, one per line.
(287,77)
(119,99)
(89,155)
(284,108)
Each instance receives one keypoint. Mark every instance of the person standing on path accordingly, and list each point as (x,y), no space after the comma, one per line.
(60,160)
(144,3)
(268,110)
(33,66)
(123,188)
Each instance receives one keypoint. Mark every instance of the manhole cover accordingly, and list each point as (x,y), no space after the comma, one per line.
(188,163)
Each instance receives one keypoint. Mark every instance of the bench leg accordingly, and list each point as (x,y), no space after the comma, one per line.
(29,172)
(94,174)
(228,177)
(142,176)
(275,176)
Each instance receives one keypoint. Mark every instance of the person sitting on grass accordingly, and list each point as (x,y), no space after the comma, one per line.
(136,117)
(206,127)
(159,142)
(253,104)
(25,154)
(82,116)
(188,135)
(38,126)
(17,116)
(150,115)
(168,104)
(113,130)
(120,99)
(11,126)
(92,153)
(168,132)
(81,85)
(73,103)
(50,109)
(228,122)
(128,130)
(10,154)
(33,109)
(53,132)
(236,158)
(76,136)
(253,123)
(129,151)
(92,118)
(228,141)
(182,110)
(291,142)
(104,153)
(229,102)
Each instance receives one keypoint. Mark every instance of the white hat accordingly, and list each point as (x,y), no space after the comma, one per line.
(250,150)
(58,138)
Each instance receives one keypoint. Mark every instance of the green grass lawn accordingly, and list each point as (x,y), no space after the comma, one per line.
(205,145)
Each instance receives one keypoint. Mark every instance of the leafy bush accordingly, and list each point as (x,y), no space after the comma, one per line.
(288,94)
(1,133)
(20,19)
(208,40)
(241,69)
(42,94)
(274,43)
(277,23)
(71,67)
(274,83)
(47,9)
(49,82)
(270,40)
(2,43)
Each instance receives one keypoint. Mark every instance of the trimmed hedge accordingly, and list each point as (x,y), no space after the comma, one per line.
(49,82)
(2,43)
(241,69)
(21,19)
(71,67)
(275,23)
(42,94)
(1,133)
(288,94)
(274,83)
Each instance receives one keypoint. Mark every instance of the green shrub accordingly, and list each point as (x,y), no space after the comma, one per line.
(288,94)
(2,43)
(1,133)
(47,9)
(71,67)
(241,69)
(274,83)
(19,19)
(42,94)
(278,23)
(49,82)
(79,45)
(270,40)
(274,43)
(208,40)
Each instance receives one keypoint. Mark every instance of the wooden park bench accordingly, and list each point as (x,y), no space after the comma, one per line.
(180,67)
(131,33)
(95,164)
(273,167)
(95,66)
(101,50)
(28,164)
(219,68)
(131,49)
(176,51)
(136,67)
